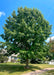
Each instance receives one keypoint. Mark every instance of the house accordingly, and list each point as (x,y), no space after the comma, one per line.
(51,62)
(3,51)
(13,58)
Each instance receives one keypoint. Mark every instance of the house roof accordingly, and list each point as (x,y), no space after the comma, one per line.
(15,55)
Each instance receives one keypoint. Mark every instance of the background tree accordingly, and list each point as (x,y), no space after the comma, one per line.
(3,57)
(51,43)
(26,33)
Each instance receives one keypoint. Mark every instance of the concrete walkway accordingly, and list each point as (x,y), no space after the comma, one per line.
(37,72)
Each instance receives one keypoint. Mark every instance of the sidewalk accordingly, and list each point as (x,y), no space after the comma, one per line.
(38,71)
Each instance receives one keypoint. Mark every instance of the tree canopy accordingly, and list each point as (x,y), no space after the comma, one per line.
(26,32)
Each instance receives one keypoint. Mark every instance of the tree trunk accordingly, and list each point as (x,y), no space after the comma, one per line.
(27,62)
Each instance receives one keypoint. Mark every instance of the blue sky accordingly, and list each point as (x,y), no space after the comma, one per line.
(7,7)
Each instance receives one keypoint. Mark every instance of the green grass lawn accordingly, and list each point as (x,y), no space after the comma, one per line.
(18,69)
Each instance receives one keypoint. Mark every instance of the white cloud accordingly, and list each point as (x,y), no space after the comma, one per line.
(2,13)
(52,38)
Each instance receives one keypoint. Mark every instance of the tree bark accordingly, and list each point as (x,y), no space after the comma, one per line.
(27,62)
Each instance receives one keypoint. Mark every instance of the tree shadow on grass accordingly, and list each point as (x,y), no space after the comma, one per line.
(16,68)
